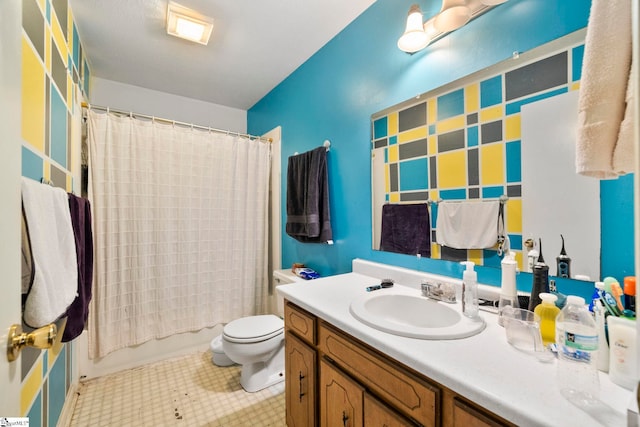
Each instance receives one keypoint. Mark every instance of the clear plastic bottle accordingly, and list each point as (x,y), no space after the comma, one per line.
(577,341)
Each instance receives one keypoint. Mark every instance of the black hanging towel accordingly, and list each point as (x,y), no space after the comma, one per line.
(308,218)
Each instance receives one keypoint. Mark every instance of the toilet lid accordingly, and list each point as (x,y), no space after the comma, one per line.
(254,328)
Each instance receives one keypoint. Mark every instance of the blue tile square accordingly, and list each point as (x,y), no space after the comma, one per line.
(58,128)
(514,161)
(451,104)
(432,129)
(380,127)
(472,136)
(516,241)
(32,164)
(393,140)
(492,192)
(57,387)
(577,55)
(414,175)
(491,91)
(458,194)
(491,258)
(35,413)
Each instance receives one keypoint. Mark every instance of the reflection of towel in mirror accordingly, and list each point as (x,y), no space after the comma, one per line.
(406,229)
(55,276)
(78,311)
(308,217)
(468,225)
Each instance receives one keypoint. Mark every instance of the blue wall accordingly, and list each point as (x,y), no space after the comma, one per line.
(361,71)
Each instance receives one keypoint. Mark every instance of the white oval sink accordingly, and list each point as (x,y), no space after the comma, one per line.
(414,316)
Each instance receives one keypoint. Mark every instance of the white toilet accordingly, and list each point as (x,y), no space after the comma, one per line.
(257,343)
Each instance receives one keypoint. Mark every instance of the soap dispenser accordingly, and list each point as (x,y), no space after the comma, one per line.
(508,291)
(470,304)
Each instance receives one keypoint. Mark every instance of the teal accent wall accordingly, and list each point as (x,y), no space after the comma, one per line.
(361,71)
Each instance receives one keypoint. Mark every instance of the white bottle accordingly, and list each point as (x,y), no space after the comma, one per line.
(508,291)
(603,346)
(622,356)
(470,304)
(577,342)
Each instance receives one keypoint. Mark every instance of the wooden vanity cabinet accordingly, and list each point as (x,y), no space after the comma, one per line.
(333,379)
(300,367)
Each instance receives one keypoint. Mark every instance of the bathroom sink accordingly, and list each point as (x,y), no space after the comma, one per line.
(414,316)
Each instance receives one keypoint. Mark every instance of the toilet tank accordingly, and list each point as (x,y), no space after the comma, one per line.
(283,277)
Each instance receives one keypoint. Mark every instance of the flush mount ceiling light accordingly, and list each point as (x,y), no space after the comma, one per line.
(188,24)
(453,15)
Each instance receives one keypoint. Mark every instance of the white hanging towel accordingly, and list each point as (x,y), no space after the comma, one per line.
(55,278)
(467,225)
(604,146)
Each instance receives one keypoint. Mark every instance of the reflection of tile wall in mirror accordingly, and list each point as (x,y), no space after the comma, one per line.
(463,141)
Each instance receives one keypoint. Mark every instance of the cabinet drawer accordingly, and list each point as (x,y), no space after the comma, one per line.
(300,322)
(409,394)
(376,414)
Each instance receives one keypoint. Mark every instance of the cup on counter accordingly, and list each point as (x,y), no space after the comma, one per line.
(522,328)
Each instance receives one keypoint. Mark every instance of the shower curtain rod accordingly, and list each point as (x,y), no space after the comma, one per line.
(175,122)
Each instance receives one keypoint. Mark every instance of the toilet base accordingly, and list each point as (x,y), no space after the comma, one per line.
(260,375)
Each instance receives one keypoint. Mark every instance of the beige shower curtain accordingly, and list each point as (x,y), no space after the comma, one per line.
(180,229)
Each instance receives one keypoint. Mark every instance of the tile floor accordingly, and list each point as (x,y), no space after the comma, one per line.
(185,391)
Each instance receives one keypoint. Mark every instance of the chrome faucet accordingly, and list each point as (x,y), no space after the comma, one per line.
(445,292)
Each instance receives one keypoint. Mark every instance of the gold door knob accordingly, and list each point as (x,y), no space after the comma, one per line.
(40,338)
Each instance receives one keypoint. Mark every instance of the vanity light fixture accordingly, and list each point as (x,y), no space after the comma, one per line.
(453,15)
(188,24)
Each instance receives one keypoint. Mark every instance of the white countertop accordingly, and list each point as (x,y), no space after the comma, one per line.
(483,368)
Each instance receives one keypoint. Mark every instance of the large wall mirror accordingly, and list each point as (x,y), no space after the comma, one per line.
(506,132)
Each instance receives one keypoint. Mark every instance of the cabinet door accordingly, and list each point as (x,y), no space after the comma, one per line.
(377,414)
(300,383)
(465,415)
(341,398)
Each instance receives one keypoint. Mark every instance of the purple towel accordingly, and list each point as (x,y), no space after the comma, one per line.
(78,311)
(308,217)
(406,229)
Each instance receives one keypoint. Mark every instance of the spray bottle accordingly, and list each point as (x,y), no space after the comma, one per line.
(470,304)
(508,291)
(563,262)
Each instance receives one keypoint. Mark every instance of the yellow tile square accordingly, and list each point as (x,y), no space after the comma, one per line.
(433,145)
(453,123)
(435,251)
(392,123)
(30,387)
(394,197)
(413,135)
(471,98)
(452,169)
(58,37)
(387,185)
(433,195)
(475,255)
(513,216)
(490,114)
(393,155)
(33,97)
(513,127)
(492,164)
(431,111)
(575,86)
(47,49)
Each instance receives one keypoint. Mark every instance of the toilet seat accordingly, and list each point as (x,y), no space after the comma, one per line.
(253,329)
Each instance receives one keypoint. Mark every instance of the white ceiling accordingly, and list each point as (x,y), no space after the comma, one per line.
(254,46)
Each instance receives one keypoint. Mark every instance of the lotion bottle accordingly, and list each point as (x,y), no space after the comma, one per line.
(470,304)
(548,312)
(622,351)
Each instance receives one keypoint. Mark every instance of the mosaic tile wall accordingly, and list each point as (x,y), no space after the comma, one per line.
(55,79)
(465,144)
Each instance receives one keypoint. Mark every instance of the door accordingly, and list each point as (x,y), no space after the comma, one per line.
(10,161)
(300,377)
(341,398)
